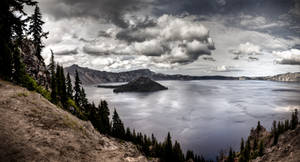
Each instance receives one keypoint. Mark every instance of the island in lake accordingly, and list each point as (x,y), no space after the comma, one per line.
(141,84)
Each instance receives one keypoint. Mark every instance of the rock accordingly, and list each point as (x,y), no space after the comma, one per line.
(34,66)
(142,84)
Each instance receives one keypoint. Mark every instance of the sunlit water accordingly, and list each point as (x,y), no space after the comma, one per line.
(204,116)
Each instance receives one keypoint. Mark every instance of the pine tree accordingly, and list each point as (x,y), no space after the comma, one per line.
(258,128)
(53,86)
(35,28)
(178,155)
(118,127)
(294,120)
(77,89)
(69,87)
(104,116)
(275,133)
(168,148)
(189,155)
(242,145)
(63,95)
(83,100)
(11,25)
(230,156)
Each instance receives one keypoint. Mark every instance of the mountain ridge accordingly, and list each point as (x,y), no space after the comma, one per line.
(91,76)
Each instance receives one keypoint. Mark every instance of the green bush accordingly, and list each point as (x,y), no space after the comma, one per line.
(29,83)
(77,111)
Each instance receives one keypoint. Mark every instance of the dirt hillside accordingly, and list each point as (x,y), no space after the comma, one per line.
(33,129)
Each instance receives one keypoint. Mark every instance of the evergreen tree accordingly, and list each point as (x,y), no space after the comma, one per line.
(53,86)
(104,117)
(294,120)
(11,25)
(275,133)
(247,150)
(242,145)
(189,155)
(118,127)
(230,156)
(258,128)
(168,149)
(69,86)
(77,89)
(35,28)
(178,155)
(83,101)
(63,95)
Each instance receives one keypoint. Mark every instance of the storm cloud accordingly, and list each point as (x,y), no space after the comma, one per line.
(169,39)
(110,10)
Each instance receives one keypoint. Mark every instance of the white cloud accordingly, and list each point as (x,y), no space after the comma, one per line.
(247,49)
(168,39)
(290,57)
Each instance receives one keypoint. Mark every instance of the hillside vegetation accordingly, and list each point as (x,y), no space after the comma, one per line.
(33,129)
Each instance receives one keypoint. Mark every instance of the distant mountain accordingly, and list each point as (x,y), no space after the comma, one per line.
(287,77)
(90,76)
(141,84)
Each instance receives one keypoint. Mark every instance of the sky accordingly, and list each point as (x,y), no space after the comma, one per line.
(195,37)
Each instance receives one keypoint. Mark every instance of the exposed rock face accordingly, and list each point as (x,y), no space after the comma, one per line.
(35,66)
(33,129)
(142,84)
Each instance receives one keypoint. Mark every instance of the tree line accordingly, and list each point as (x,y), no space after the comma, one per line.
(255,147)
(73,99)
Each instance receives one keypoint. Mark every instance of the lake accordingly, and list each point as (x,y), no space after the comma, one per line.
(204,116)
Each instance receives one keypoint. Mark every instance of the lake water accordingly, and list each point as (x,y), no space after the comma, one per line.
(204,116)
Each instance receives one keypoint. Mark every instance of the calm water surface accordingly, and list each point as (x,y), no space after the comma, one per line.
(204,116)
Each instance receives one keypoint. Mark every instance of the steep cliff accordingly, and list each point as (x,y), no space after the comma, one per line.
(33,129)
(34,66)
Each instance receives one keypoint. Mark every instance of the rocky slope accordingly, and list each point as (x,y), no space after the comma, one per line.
(287,149)
(141,84)
(33,129)
(35,66)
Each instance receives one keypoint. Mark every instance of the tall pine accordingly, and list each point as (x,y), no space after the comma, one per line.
(117,126)
(11,25)
(35,28)
(53,85)
(77,89)
(69,86)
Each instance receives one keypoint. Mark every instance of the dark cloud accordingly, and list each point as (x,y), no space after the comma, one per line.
(110,10)
(224,6)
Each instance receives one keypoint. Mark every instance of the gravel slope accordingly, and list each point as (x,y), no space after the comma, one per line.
(33,129)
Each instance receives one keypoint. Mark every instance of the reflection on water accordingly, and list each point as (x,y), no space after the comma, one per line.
(205,116)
